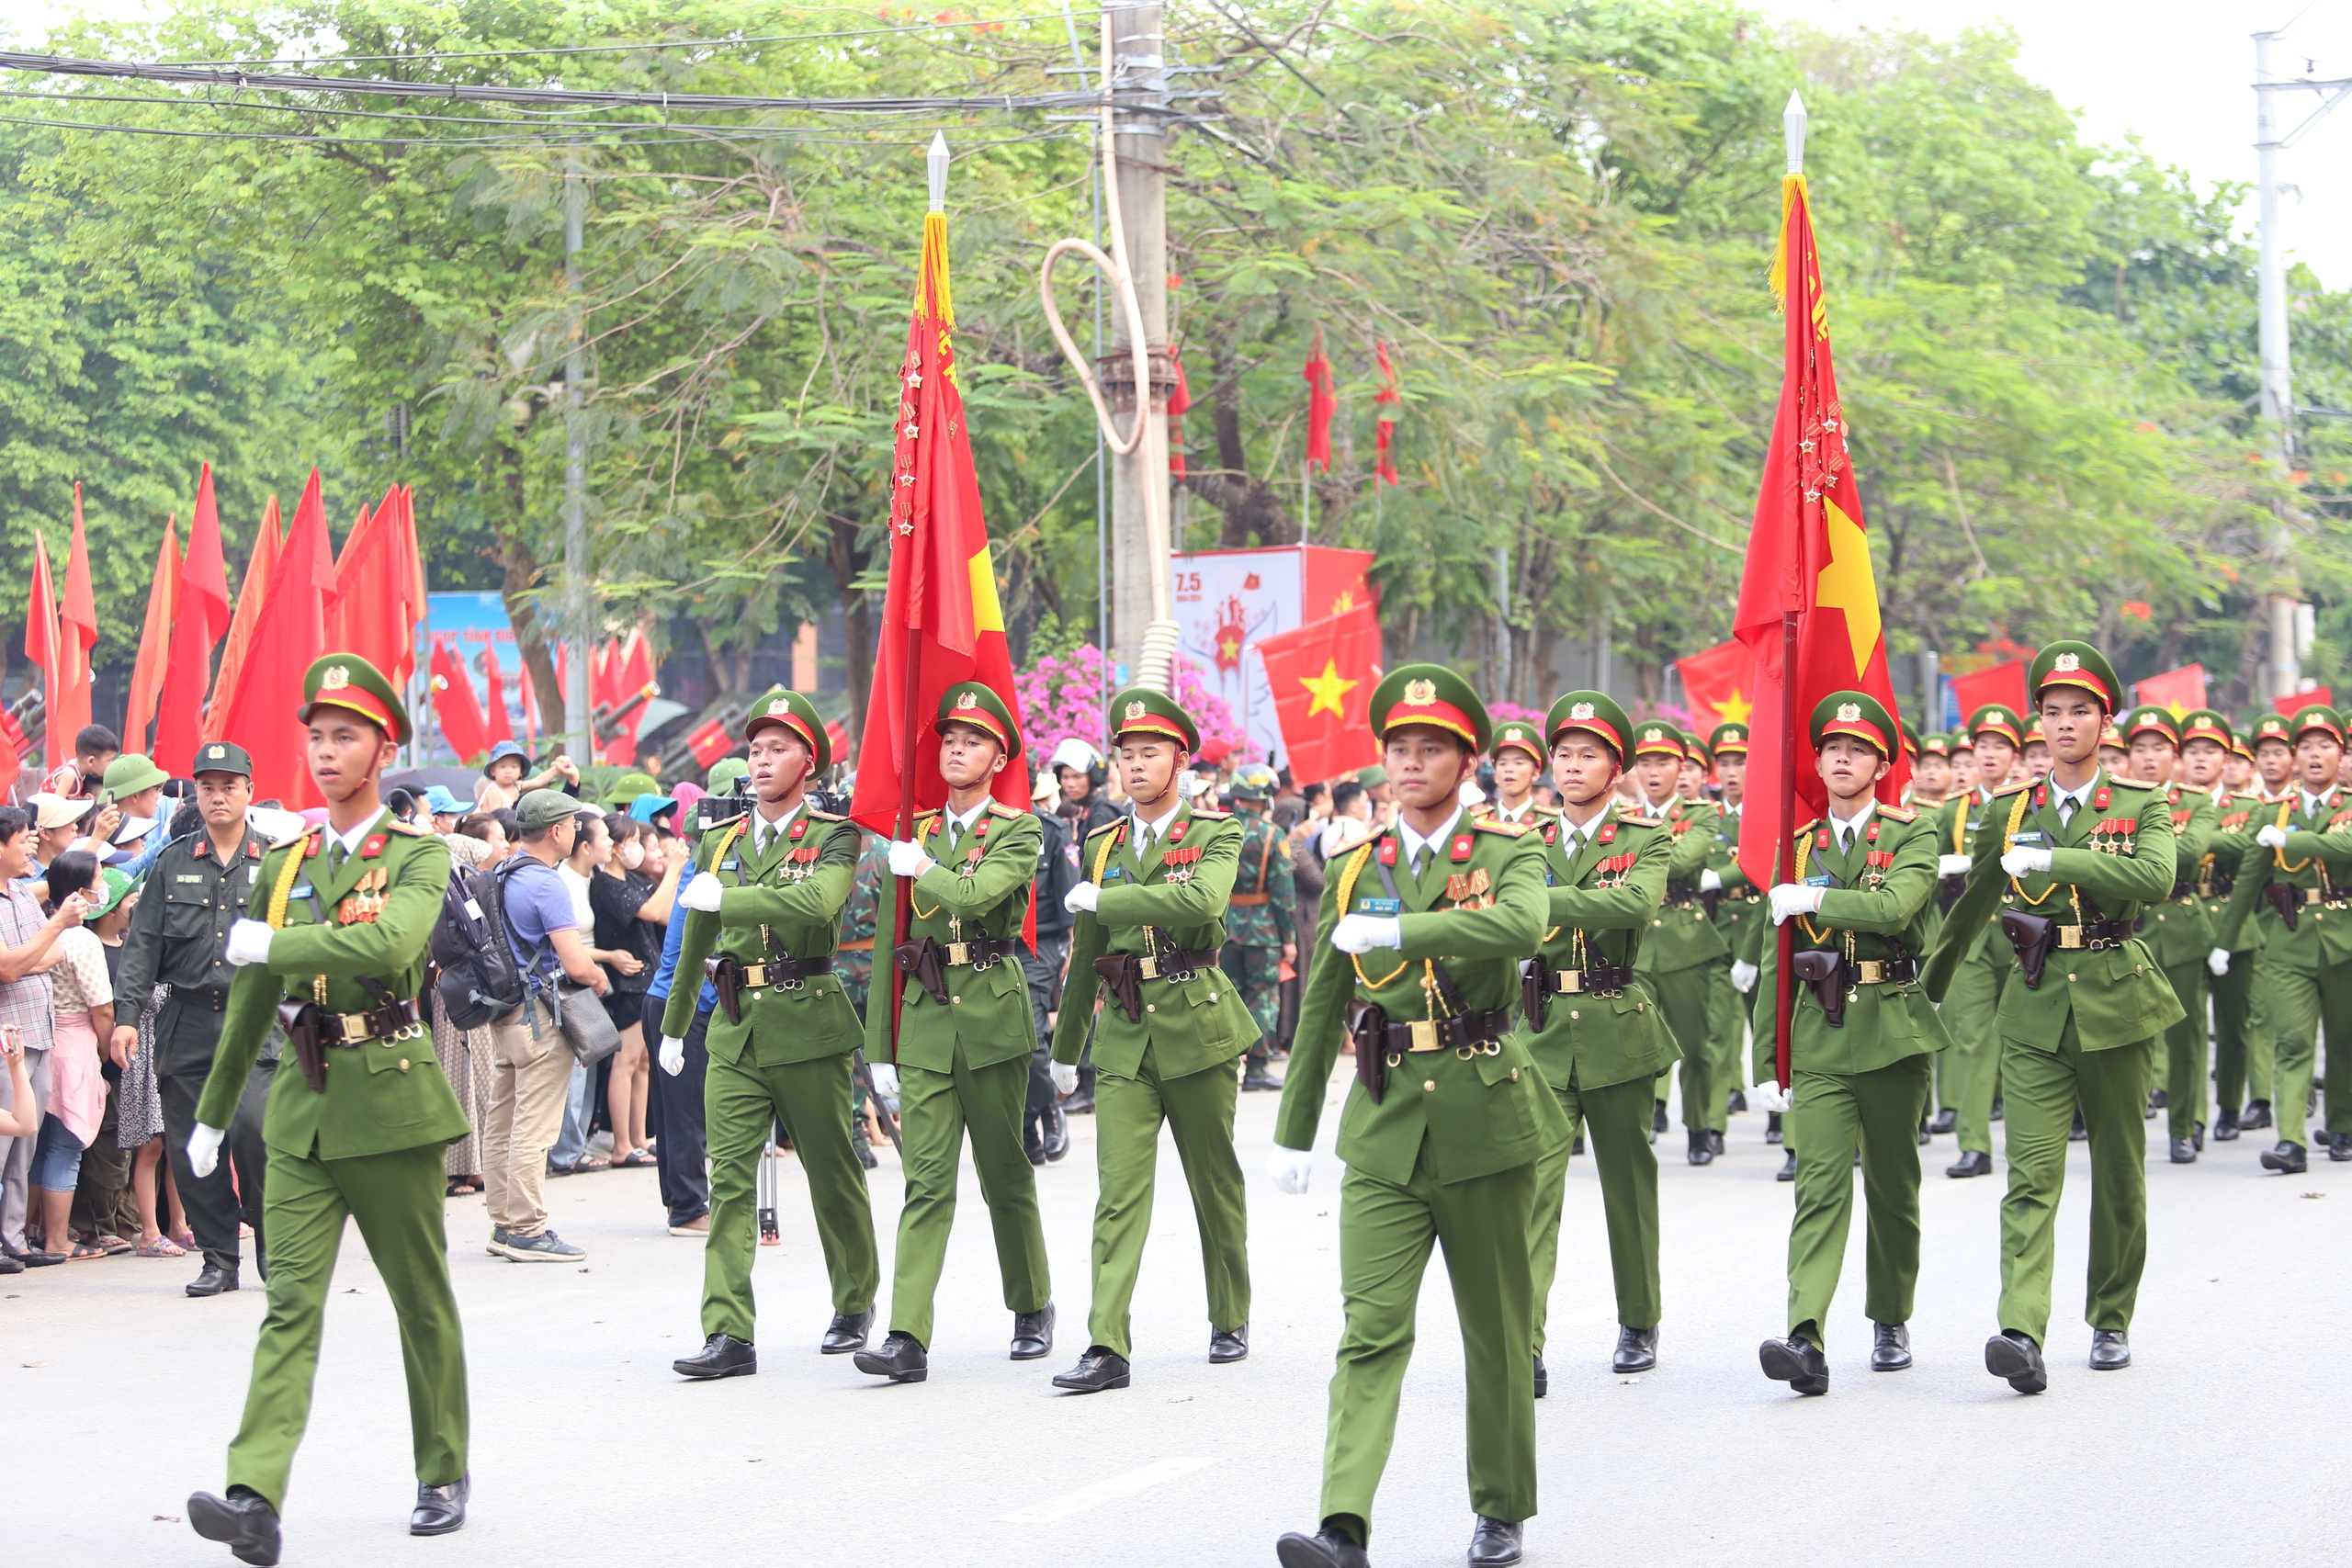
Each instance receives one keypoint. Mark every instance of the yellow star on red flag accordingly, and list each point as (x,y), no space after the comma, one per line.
(1328,689)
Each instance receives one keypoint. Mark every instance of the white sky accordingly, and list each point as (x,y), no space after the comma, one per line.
(2176,73)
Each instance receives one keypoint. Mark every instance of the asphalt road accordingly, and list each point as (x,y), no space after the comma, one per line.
(2214,1447)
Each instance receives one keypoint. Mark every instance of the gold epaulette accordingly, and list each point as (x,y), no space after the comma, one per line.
(1899,813)
(926,816)
(2141,784)
(284,843)
(2007,790)
(1628,819)
(1495,825)
(1804,828)
(1212,813)
(999,808)
(1106,828)
(827,815)
(411,828)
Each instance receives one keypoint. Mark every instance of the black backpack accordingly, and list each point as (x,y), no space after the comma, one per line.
(480,979)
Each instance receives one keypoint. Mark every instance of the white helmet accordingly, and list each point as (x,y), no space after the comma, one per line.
(1074,753)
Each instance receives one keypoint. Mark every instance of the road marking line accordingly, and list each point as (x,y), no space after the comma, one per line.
(1107,1490)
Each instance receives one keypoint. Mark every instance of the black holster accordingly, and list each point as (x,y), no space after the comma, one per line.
(2032,936)
(301,1022)
(726,979)
(1534,990)
(1122,974)
(1368,1034)
(1710,900)
(1948,891)
(1825,971)
(922,962)
(2287,898)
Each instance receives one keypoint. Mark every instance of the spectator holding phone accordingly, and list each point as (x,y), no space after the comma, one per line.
(82,1007)
(28,943)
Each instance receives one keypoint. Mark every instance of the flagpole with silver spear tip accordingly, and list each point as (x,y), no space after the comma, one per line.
(1792,122)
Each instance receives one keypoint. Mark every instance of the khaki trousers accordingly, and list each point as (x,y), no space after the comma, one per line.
(529,1081)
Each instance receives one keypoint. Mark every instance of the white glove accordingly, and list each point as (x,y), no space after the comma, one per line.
(1769,1096)
(1085,897)
(204,1147)
(1290,1169)
(907,858)
(1362,933)
(248,943)
(704,892)
(2218,961)
(886,1076)
(1065,1076)
(2271,836)
(2024,862)
(673,1054)
(1742,975)
(1954,865)
(1793,899)
(1710,881)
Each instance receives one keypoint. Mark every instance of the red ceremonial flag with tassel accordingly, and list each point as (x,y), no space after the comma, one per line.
(942,625)
(154,643)
(1322,402)
(259,569)
(290,633)
(77,632)
(1388,400)
(453,704)
(40,651)
(1808,600)
(199,619)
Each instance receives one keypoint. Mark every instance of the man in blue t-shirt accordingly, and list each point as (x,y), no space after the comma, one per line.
(530,1065)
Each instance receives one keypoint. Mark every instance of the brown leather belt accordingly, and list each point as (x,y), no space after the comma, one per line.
(1594,980)
(862,944)
(208,999)
(790,972)
(2093,936)
(349,1029)
(1889,971)
(1249,900)
(1171,966)
(1473,1029)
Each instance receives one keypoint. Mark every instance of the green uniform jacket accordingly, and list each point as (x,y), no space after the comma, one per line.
(1486,1114)
(1879,904)
(1958,821)
(1742,903)
(2181,927)
(382,1094)
(785,902)
(1263,867)
(1680,933)
(2317,863)
(1189,1025)
(1600,905)
(2116,995)
(957,899)
(2234,820)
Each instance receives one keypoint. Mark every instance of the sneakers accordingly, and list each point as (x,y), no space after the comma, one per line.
(545,1247)
(699,1226)
(497,1247)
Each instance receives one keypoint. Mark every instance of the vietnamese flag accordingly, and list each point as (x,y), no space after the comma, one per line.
(942,625)
(77,632)
(1718,685)
(454,703)
(288,635)
(1808,599)
(2290,705)
(154,643)
(199,619)
(1322,675)
(2002,683)
(2178,691)
(40,650)
(259,567)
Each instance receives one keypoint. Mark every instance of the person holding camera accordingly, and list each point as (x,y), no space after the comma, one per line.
(27,951)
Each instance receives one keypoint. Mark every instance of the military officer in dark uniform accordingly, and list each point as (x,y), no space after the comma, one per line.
(1259,937)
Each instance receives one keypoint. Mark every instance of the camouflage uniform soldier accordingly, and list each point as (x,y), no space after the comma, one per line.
(1260,932)
(854,962)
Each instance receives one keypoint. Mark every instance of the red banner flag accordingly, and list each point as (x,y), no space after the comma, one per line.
(2178,691)
(154,643)
(1718,686)
(1322,402)
(497,725)
(288,635)
(77,632)
(1808,599)
(373,618)
(40,651)
(1388,400)
(454,703)
(254,591)
(200,617)
(1321,675)
(1179,403)
(710,743)
(2309,696)
(2003,684)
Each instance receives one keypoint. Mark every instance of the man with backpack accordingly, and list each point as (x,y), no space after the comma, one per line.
(530,1065)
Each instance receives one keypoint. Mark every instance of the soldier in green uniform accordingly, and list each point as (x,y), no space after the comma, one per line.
(336,926)
(2182,936)
(1151,924)
(2301,862)
(963,1039)
(767,900)
(1596,1031)
(1447,1125)
(1861,1040)
(1733,902)
(1261,930)
(854,962)
(2271,743)
(2240,1044)
(1683,943)
(2084,856)
(1970,1011)
(1518,765)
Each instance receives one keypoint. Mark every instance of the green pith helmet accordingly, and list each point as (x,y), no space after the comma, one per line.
(1857,714)
(1431,694)
(2071,663)
(1595,713)
(1144,711)
(348,680)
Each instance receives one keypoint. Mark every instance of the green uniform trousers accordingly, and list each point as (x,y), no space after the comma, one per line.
(1727,1031)
(1198,1109)
(1970,1012)
(1386,1231)
(1877,1112)
(2041,1090)
(2304,1004)
(2242,1047)
(398,1199)
(813,1098)
(935,1109)
(1618,1118)
(1684,997)
(2187,1088)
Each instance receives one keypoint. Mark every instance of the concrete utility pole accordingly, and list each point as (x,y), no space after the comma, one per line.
(579,593)
(1138,78)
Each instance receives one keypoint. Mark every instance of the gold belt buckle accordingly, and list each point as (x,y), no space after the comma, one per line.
(2070,936)
(1150,969)
(959,952)
(1424,1033)
(1571,982)
(1869,971)
(755,976)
